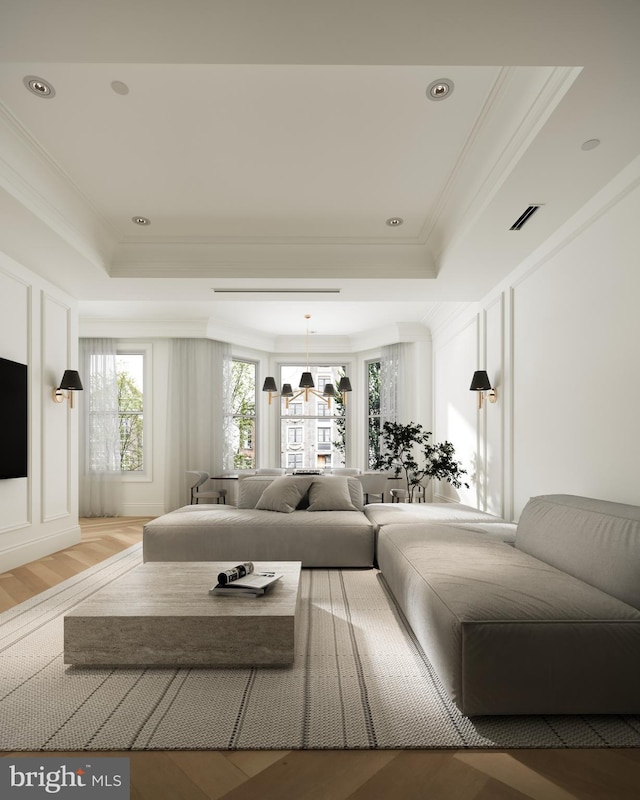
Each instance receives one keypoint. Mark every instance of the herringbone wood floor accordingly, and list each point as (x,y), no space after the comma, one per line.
(332,775)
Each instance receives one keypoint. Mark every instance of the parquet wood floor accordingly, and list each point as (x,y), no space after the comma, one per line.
(331,775)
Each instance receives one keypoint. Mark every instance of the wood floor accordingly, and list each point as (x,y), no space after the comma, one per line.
(331,775)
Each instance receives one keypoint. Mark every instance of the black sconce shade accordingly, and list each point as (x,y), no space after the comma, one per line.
(71,380)
(480,382)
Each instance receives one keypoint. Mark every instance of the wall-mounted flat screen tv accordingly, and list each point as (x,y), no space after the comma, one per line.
(13,419)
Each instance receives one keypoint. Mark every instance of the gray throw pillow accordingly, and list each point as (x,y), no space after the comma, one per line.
(250,489)
(330,494)
(283,494)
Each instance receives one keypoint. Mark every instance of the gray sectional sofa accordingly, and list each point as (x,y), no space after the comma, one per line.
(538,618)
(547,625)
(316,520)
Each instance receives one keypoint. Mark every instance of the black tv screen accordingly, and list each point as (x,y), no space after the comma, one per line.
(13,419)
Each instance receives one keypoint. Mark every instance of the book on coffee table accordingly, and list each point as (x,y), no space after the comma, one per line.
(255,584)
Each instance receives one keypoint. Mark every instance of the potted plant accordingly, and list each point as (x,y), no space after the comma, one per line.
(407,450)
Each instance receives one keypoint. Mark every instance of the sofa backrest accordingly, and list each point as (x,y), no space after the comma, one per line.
(596,541)
(250,490)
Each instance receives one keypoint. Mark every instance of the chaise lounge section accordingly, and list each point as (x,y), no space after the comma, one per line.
(548,626)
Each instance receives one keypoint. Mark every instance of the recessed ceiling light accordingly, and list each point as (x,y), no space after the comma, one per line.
(38,86)
(590,144)
(394,222)
(141,220)
(438,90)
(119,87)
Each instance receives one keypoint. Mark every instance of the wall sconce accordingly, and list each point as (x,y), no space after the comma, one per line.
(480,383)
(72,383)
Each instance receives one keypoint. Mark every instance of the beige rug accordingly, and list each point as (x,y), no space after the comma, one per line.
(359,681)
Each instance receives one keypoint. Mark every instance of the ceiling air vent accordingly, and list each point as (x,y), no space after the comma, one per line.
(524,218)
(274,291)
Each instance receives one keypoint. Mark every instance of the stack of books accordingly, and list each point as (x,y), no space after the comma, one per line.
(243,580)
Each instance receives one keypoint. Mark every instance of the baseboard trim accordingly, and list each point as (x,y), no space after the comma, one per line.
(20,554)
(142,510)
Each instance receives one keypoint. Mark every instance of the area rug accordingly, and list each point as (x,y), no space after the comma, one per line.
(360,681)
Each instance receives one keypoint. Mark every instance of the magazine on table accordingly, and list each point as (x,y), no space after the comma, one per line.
(244,580)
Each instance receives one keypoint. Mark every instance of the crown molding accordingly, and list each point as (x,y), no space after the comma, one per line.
(30,175)
(444,314)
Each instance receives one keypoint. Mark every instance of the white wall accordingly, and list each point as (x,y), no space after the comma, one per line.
(38,327)
(455,360)
(560,339)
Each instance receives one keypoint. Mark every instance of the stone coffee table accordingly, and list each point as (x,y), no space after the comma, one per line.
(161,615)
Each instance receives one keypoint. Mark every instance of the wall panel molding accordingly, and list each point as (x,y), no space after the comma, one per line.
(493,417)
(56,428)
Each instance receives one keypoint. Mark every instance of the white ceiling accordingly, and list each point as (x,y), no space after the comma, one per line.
(268,142)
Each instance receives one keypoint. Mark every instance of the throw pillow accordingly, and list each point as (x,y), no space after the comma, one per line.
(250,489)
(283,494)
(330,494)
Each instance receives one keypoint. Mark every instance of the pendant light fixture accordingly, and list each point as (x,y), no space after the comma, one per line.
(306,387)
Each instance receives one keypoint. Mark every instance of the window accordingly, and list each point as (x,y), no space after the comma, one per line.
(373,412)
(295,435)
(130,377)
(243,413)
(324,439)
(312,432)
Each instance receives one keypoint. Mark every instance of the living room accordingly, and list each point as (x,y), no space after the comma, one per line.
(548,310)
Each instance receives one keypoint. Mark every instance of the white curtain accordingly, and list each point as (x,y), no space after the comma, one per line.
(198,421)
(100,491)
(394,383)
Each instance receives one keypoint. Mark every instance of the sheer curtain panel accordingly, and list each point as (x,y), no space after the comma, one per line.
(100,491)
(393,383)
(197,413)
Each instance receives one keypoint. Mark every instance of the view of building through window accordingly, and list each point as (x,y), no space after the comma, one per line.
(373,413)
(130,375)
(312,431)
(243,410)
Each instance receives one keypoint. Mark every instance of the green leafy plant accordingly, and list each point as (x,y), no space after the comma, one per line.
(408,451)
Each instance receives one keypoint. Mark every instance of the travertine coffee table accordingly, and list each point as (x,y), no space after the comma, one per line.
(161,614)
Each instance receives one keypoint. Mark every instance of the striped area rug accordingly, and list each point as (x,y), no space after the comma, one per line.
(359,680)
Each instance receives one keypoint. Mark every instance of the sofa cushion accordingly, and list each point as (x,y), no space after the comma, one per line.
(250,489)
(225,533)
(356,493)
(456,513)
(595,540)
(330,494)
(283,494)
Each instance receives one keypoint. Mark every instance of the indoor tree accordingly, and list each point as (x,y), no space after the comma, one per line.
(408,451)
